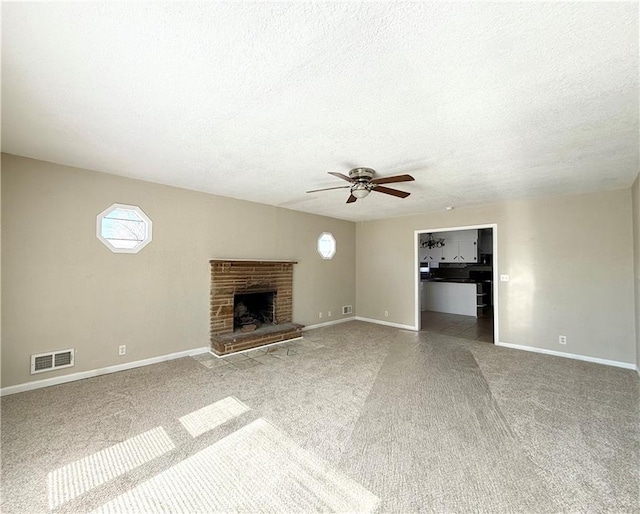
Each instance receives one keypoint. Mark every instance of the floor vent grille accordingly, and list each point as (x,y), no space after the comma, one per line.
(346,309)
(52,360)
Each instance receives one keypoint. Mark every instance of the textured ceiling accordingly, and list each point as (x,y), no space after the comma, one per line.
(481,102)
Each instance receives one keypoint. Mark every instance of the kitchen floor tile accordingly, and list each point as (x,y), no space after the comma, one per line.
(465,327)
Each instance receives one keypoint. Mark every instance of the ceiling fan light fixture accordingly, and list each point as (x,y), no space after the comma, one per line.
(359,190)
(361,183)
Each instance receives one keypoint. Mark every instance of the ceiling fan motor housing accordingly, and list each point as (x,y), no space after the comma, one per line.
(361,174)
(361,180)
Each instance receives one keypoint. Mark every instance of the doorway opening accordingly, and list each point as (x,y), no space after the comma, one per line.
(456,281)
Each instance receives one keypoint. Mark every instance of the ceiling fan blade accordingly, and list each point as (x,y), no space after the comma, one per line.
(389,191)
(390,180)
(327,189)
(340,175)
(351,199)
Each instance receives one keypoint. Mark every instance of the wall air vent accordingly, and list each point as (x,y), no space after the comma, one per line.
(52,360)
(347,309)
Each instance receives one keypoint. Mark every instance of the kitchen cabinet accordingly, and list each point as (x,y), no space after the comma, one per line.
(468,251)
(460,251)
(468,299)
(432,255)
(450,252)
(453,298)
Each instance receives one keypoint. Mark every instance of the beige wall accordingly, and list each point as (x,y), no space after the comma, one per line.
(62,288)
(0,274)
(570,261)
(635,191)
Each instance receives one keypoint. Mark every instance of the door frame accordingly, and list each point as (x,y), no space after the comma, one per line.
(416,274)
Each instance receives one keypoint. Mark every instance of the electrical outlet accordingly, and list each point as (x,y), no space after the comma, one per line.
(386,314)
(320,315)
(329,314)
(504,278)
(122,349)
(562,339)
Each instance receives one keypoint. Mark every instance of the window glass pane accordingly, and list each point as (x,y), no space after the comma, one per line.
(326,245)
(125,229)
(124,214)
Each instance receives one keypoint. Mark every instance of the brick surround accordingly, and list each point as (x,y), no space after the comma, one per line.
(230,277)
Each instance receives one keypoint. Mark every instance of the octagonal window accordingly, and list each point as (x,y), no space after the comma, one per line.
(327,245)
(124,228)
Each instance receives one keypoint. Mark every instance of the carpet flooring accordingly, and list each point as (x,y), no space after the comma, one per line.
(355,417)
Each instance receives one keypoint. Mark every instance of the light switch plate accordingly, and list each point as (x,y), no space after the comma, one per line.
(504,278)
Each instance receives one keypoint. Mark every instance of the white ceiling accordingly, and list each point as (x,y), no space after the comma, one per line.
(481,102)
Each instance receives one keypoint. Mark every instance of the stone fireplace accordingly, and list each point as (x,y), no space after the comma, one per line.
(251,304)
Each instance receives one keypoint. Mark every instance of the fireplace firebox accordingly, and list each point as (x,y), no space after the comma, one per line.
(253,310)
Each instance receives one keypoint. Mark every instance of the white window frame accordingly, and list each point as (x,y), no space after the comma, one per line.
(332,251)
(148,228)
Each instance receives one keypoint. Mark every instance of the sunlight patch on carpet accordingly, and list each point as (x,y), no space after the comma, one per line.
(212,416)
(78,477)
(255,469)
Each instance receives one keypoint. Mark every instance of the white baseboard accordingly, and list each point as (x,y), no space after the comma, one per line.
(387,323)
(327,323)
(37,384)
(597,360)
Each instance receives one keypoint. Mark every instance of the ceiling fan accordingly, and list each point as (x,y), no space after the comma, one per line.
(362,183)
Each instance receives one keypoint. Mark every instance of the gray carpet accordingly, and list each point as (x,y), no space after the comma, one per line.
(353,418)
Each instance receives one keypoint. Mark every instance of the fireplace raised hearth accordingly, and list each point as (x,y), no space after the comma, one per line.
(251,304)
